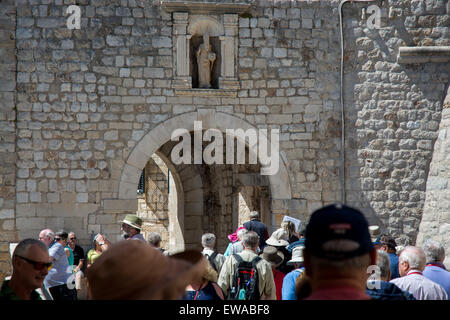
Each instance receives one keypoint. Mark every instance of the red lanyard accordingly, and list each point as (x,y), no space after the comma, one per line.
(196,294)
(198,291)
(415,272)
(435,265)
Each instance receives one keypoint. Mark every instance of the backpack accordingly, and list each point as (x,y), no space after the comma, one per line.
(211,260)
(245,280)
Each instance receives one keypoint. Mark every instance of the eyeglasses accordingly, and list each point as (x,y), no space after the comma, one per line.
(38,265)
(74,238)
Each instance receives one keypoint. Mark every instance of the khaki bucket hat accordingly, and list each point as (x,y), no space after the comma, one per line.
(133,221)
(273,256)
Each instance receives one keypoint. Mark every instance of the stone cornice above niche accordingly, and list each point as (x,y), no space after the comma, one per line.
(207,6)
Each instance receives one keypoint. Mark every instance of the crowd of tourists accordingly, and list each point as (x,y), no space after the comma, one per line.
(337,256)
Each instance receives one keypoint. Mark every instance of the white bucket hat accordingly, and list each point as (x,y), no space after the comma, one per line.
(374,232)
(297,255)
(279,238)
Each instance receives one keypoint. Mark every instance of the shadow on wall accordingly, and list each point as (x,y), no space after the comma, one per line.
(435,222)
(393,113)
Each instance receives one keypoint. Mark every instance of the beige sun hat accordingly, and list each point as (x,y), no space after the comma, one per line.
(133,270)
(278,238)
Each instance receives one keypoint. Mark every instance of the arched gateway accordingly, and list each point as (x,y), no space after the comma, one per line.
(192,180)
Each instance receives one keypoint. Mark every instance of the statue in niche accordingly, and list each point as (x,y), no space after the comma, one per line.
(205,62)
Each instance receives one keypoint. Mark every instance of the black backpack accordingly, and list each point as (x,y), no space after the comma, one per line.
(211,260)
(245,280)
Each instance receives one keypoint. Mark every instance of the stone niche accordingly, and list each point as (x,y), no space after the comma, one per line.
(191,23)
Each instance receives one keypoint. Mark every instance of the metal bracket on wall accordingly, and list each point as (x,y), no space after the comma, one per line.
(423,54)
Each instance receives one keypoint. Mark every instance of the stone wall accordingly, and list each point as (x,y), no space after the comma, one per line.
(85,99)
(155,211)
(8,156)
(394,111)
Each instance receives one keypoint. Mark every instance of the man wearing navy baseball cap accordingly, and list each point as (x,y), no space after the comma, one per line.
(338,251)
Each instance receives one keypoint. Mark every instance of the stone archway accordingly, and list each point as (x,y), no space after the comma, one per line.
(155,138)
(279,183)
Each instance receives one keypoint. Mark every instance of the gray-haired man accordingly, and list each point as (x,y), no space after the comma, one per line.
(266,284)
(154,239)
(215,259)
(31,263)
(410,266)
(58,280)
(435,269)
(381,289)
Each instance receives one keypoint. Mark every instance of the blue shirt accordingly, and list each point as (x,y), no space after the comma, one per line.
(227,252)
(207,293)
(382,290)
(438,275)
(233,248)
(60,271)
(393,258)
(288,289)
(138,236)
(236,247)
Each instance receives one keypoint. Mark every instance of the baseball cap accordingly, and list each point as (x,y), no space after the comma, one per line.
(337,222)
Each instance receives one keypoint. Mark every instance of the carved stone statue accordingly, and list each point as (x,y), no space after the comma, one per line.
(205,62)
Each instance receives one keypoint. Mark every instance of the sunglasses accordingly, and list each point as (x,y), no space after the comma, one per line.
(58,239)
(38,265)
(74,238)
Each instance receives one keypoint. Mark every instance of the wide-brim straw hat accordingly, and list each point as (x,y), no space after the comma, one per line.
(133,221)
(297,255)
(279,238)
(133,270)
(273,256)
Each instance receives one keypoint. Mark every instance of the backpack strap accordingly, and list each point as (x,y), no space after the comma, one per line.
(256,260)
(211,260)
(238,258)
(214,255)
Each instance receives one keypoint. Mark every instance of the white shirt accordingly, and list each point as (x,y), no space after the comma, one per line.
(420,287)
(218,260)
